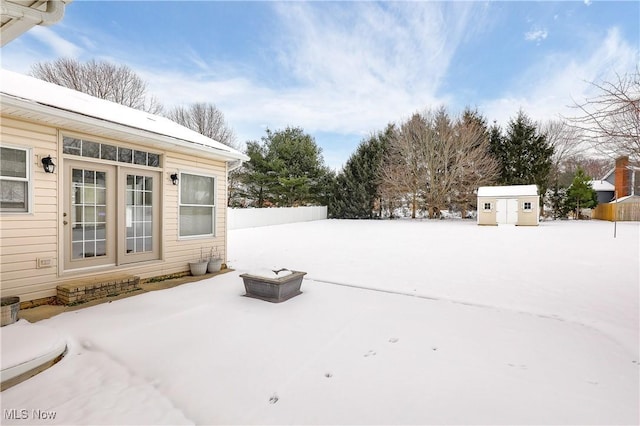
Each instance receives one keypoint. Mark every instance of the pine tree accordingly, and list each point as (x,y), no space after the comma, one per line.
(356,194)
(524,154)
(581,194)
(287,169)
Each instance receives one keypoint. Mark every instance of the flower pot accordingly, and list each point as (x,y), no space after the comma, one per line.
(274,290)
(198,268)
(214,265)
(10,307)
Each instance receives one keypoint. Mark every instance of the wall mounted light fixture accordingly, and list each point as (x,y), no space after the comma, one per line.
(48,165)
(174,178)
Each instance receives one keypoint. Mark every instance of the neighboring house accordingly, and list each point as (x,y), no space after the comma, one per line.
(508,205)
(92,187)
(620,181)
(605,190)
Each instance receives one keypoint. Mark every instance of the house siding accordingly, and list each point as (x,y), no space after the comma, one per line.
(27,237)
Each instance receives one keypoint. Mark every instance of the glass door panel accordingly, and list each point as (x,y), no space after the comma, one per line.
(141,216)
(89,219)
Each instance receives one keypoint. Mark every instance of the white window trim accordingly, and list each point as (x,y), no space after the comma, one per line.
(29,179)
(484,208)
(214,207)
(524,206)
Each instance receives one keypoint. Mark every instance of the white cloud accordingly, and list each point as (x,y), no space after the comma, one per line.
(587,2)
(56,43)
(348,69)
(548,89)
(536,35)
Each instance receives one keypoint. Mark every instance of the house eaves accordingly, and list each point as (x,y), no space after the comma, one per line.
(18,17)
(74,111)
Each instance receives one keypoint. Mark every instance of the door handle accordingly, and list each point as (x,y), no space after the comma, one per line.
(64,222)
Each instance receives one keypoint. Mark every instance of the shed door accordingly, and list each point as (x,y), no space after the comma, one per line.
(507,211)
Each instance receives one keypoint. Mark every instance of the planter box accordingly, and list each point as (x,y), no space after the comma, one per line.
(274,290)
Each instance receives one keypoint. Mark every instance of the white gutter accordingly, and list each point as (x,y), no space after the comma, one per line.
(53,14)
(233,165)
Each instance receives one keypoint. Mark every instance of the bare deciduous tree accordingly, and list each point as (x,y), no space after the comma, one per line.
(404,173)
(116,83)
(207,119)
(438,162)
(611,119)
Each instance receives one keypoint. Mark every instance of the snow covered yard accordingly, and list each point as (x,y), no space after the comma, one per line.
(400,322)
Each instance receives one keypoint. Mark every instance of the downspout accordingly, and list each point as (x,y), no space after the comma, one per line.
(53,13)
(231,166)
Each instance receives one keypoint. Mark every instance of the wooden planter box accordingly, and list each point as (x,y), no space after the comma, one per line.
(274,290)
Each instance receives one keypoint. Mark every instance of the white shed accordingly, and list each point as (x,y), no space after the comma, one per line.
(508,205)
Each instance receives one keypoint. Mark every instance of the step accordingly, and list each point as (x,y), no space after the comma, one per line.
(96,287)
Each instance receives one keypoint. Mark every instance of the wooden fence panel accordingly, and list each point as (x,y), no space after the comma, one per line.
(622,212)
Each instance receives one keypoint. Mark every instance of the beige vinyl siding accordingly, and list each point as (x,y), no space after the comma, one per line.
(487,217)
(26,237)
(528,218)
(525,218)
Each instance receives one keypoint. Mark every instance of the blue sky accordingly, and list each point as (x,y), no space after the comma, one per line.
(342,70)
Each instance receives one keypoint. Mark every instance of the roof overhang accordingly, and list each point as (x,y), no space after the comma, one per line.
(30,110)
(19,16)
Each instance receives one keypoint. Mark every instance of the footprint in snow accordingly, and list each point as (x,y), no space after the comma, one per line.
(328,375)
(522,366)
(274,398)
(370,353)
(393,340)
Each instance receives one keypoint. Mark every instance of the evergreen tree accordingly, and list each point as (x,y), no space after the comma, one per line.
(581,194)
(357,193)
(287,169)
(524,154)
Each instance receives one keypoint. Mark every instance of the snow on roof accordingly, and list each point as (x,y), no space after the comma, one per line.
(627,199)
(602,185)
(507,191)
(41,92)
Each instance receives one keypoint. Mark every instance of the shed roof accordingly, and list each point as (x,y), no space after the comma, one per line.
(507,191)
(29,93)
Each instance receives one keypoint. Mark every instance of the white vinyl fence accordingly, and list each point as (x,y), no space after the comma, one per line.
(252,218)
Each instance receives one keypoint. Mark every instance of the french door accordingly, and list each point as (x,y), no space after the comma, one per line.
(111,215)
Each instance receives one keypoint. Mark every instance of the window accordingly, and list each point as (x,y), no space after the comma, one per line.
(487,206)
(526,206)
(197,205)
(14,179)
(105,151)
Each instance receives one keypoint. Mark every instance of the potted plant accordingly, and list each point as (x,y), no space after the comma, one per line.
(199,267)
(273,285)
(215,260)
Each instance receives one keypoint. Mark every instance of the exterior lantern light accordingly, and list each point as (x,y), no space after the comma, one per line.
(48,165)
(174,178)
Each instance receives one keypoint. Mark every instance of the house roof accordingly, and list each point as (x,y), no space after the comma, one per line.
(602,185)
(30,98)
(628,199)
(507,191)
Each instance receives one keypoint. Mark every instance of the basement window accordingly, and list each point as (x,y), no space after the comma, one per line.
(526,206)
